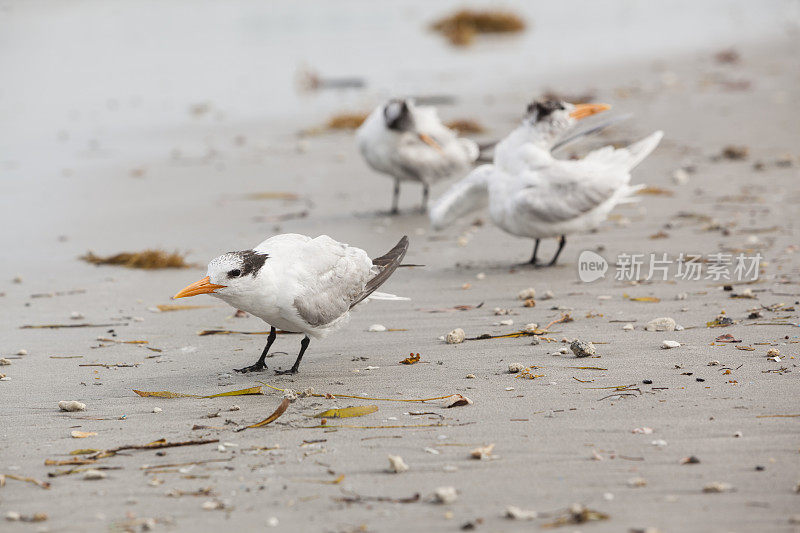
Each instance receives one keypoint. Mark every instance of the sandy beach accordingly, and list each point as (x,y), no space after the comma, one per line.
(203,165)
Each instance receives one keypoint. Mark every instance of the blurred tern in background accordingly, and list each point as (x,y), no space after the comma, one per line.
(298,284)
(532,194)
(410,143)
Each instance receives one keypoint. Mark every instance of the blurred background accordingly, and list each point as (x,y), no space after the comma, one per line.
(124,124)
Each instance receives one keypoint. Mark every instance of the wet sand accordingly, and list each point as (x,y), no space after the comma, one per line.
(186,188)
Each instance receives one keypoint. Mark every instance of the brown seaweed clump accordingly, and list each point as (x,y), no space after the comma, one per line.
(346,121)
(462,27)
(147,259)
(465,126)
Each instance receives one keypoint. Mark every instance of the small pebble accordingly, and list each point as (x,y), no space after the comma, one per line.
(666,345)
(513,368)
(456,336)
(738,434)
(548,295)
(582,348)
(506,322)
(563,351)
(647,381)
(71,405)
(75,315)
(530,328)
(93,474)
(157,409)
(377,327)
(470,376)
(480,275)
(527,294)
(397,465)
(680,176)
(22,352)
(4,361)
(661,324)
(272,521)
(445,495)
(636,482)
(234,407)
(13,516)
(718,486)
(659,443)
(627,327)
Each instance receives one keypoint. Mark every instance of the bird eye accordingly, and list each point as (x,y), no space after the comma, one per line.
(235,273)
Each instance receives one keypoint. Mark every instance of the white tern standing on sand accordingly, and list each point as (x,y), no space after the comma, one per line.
(410,143)
(298,284)
(532,194)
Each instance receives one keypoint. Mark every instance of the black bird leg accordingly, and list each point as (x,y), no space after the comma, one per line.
(260,365)
(395,198)
(533,260)
(424,206)
(296,365)
(561,242)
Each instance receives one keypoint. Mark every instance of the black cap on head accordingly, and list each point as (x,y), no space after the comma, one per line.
(397,115)
(541,109)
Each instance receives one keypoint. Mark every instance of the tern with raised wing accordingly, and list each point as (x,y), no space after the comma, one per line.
(298,284)
(532,194)
(410,143)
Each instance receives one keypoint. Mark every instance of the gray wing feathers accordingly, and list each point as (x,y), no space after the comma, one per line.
(386,264)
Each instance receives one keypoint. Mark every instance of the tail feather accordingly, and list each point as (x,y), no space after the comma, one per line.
(466,196)
(640,150)
(387,264)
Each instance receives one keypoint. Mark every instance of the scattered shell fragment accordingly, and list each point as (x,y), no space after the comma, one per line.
(397,465)
(93,474)
(22,352)
(377,327)
(773,352)
(548,295)
(515,513)
(157,409)
(82,434)
(456,336)
(627,327)
(212,505)
(507,322)
(530,328)
(666,345)
(582,348)
(513,368)
(680,176)
(459,401)
(636,482)
(738,434)
(643,430)
(4,362)
(13,516)
(718,486)
(659,443)
(526,294)
(445,495)
(483,452)
(71,405)
(661,324)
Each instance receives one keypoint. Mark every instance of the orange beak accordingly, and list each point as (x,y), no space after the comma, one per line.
(204,286)
(587,110)
(430,142)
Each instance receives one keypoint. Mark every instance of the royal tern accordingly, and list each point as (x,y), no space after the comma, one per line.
(410,143)
(532,194)
(298,284)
